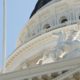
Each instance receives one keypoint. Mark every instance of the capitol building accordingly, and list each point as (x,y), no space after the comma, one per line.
(48,47)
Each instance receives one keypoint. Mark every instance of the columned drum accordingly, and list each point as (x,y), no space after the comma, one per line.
(52,35)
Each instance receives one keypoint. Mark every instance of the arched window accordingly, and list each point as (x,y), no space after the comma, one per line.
(63,19)
(47,26)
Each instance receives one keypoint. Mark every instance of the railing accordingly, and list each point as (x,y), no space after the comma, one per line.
(42,71)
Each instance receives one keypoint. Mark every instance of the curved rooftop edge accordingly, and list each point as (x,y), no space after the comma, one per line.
(73,65)
(36,45)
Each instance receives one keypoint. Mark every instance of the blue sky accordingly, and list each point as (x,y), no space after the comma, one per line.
(18,12)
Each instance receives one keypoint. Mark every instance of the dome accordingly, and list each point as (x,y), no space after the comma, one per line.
(52,34)
(39,4)
(49,45)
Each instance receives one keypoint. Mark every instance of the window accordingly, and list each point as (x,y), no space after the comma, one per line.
(47,26)
(63,19)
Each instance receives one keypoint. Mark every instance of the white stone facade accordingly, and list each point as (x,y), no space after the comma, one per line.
(53,15)
(48,48)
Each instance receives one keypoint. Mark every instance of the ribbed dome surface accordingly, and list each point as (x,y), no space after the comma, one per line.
(39,4)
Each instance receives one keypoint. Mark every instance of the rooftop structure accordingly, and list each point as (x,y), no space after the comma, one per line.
(48,47)
(39,4)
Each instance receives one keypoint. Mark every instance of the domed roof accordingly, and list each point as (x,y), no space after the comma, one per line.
(39,4)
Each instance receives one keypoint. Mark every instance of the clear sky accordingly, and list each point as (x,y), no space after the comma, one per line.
(18,12)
